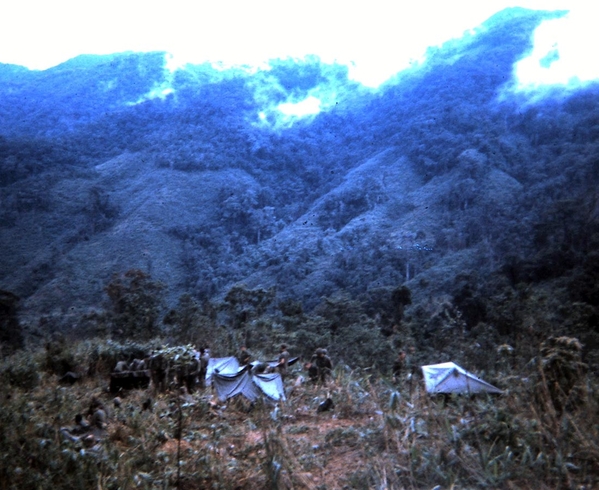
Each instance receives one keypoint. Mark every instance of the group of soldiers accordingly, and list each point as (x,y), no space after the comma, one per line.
(186,367)
(88,429)
(183,366)
(318,368)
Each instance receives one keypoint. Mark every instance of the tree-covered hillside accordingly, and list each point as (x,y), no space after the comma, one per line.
(446,181)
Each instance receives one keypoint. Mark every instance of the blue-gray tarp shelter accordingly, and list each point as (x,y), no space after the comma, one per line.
(448,377)
(221,365)
(230,379)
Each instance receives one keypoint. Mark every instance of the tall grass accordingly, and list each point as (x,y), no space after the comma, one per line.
(378,435)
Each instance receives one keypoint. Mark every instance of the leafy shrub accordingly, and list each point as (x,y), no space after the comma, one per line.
(21,370)
(59,358)
(563,372)
(191,322)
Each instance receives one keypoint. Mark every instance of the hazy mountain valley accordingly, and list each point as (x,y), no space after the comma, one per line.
(446,210)
(444,180)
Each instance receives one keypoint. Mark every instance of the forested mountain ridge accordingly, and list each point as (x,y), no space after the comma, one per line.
(445,180)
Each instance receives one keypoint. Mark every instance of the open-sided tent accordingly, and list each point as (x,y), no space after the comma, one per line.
(448,377)
(252,386)
(230,379)
(229,385)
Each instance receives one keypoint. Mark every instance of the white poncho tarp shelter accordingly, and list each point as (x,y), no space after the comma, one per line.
(448,377)
(221,365)
(230,379)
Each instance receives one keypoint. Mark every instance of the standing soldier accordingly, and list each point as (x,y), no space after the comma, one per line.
(405,368)
(158,365)
(283,361)
(399,366)
(203,369)
(243,356)
(412,368)
(190,374)
(323,364)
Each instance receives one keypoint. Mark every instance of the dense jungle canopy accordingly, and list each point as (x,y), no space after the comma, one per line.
(445,199)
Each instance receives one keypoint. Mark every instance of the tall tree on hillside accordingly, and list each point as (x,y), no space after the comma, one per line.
(136,304)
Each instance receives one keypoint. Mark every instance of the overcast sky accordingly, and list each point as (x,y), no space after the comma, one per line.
(377,38)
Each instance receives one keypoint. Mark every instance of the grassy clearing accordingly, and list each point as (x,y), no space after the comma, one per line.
(377,436)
